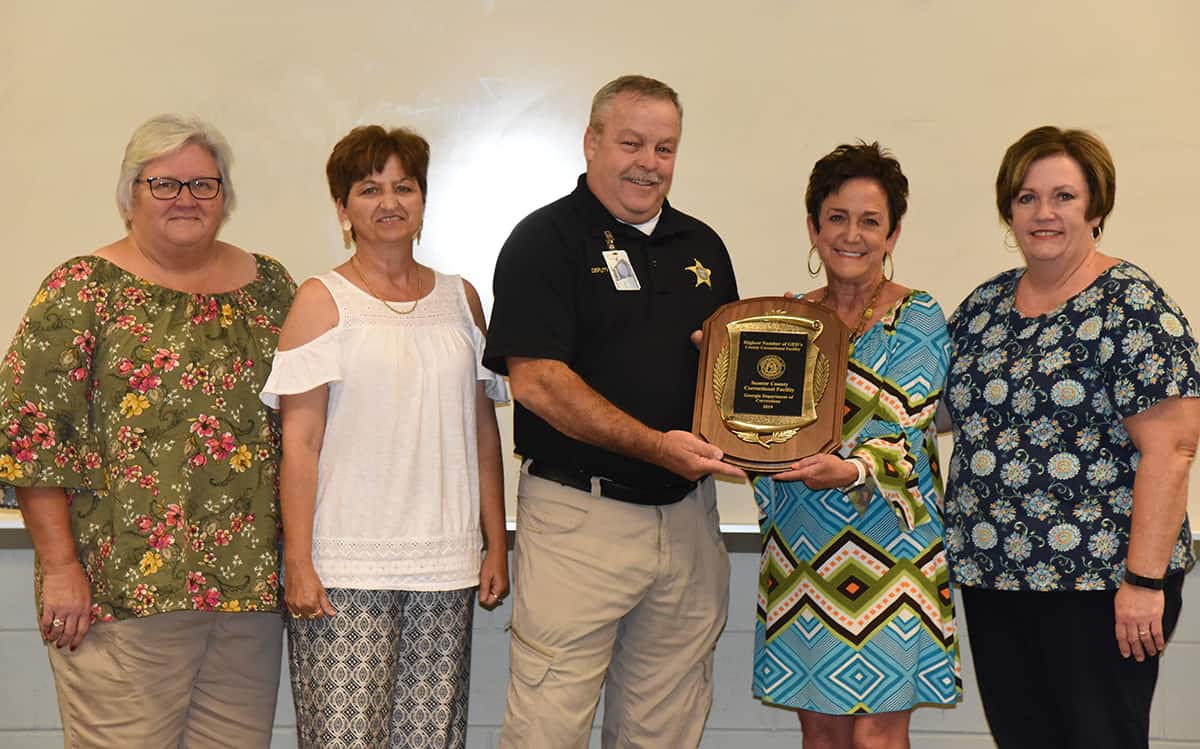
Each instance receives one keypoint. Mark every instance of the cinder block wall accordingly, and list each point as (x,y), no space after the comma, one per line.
(29,713)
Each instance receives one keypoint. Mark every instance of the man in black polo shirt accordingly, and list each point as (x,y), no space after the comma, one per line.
(619,567)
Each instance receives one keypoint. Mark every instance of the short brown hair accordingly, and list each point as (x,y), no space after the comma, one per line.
(365,150)
(1088,151)
(854,161)
(638,85)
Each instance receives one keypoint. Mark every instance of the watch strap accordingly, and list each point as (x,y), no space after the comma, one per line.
(1141,581)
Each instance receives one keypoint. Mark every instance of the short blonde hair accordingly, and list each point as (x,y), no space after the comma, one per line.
(638,85)
(1087,150)
(166,134)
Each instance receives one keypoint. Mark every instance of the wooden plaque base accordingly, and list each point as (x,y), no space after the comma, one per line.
(772,382)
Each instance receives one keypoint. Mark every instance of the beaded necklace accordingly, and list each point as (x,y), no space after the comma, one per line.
(868,311)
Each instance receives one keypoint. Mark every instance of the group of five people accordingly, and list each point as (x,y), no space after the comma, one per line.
(173,403)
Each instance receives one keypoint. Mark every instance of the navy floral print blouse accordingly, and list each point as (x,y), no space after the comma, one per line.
(1041,481)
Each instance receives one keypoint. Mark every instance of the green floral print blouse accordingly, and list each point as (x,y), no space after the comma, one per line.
(142,402)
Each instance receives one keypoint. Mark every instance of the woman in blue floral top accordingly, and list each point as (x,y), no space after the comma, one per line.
(1075,392)
(145,465)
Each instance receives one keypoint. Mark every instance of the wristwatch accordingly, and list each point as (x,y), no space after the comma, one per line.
(1153,583)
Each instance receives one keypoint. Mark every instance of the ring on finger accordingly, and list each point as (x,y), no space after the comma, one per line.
(57,623)
(1142,633)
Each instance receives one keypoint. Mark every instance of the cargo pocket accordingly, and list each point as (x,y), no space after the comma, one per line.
(528,710)
(530,663)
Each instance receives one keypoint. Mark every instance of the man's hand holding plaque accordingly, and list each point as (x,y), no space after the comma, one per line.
(772,382)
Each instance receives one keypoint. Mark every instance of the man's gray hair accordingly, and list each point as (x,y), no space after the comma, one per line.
(638,85)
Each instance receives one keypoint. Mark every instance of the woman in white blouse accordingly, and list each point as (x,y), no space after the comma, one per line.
(391,476)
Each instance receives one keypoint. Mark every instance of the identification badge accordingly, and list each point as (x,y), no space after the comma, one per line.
(621,271)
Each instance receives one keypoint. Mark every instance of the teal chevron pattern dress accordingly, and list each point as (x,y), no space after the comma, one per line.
(855,611)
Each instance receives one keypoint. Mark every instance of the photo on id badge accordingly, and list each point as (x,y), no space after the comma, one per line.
(621,271)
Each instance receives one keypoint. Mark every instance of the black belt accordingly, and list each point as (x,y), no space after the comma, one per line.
(581,480)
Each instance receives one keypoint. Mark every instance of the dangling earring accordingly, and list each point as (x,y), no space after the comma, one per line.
(1097,235)
(347,235)
(811,270)
(889,266)
(417,236)
(1010,239)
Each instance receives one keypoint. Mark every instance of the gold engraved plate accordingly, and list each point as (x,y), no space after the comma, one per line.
(780,402)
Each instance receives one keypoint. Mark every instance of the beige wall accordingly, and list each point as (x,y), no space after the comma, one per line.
(501,89)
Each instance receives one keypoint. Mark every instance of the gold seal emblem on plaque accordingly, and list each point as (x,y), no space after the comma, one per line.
(771,367)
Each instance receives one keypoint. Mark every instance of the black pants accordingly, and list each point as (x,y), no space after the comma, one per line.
(1049,671)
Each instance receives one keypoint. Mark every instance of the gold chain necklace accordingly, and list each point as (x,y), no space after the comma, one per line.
(868,311)
(371,291)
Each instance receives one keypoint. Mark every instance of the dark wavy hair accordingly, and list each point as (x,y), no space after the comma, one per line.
(853,161)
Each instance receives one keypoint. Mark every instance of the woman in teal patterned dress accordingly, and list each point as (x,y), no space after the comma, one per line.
(145,465)
(855,621)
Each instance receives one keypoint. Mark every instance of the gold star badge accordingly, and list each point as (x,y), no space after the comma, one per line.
(703,275)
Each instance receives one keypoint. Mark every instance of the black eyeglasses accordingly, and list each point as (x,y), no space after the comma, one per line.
(168,188)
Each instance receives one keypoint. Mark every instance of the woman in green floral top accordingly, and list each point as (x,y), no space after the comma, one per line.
(145,465)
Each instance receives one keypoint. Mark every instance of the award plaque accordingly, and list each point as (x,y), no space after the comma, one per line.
(771,383)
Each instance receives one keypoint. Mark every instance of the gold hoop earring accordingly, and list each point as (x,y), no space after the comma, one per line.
(347,235)
(1097,235)
(1010,240)
(814,271)
(889,266)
